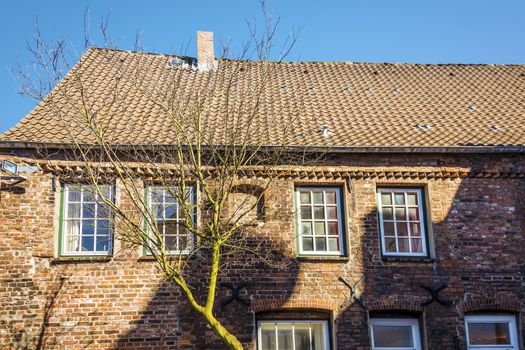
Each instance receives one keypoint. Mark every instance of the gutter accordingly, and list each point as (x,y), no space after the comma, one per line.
(314,149)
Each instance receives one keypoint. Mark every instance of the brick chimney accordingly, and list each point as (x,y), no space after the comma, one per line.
(205,56)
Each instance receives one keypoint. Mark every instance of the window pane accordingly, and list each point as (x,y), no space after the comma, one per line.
(284,336)
(389,229)
(73,210)
(411,198)
(332,229)
(88,210)
(318,213)
(104,211)
(73,194)
(88,243)
(170,212)
(402,229)
(488,333)
(306,228)
(317,336)
(414,229)
(156,194)
(402,244)
(88,227)
(171,227)
(308,244)
(330,197)
(387,214)
(386,198)
(268,336)
(413,214)
(319,228)
(305,197)
(390,245)
(170,243)
(184,242)
(333,244)
(392,336)
(320,244)
(400,214)
(399,198)
(170,195)
(417,246)
(302,336)
(102,243)
(318,197)
(331,213)
(106,191)
(306,213)
(103,227)
(89,194)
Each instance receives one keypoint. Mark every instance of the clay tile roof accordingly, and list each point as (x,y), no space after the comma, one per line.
(359,105)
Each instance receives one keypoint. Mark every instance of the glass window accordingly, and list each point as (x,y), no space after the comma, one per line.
(293,335)
(395,333)
(86,220)
(170,220)
(319,220)
(402,223)
(494,332)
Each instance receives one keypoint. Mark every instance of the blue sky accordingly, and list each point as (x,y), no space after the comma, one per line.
(416,31)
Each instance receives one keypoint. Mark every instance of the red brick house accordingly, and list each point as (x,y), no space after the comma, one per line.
(410,235)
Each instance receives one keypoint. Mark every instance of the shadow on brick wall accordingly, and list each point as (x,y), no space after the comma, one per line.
(476,240)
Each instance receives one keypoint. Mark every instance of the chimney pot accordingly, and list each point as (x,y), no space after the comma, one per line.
(205,54)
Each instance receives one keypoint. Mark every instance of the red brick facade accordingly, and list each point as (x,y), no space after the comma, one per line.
(476,210)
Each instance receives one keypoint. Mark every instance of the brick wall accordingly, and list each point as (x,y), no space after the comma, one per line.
(477,225)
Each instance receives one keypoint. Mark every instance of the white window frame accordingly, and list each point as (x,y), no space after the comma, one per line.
(340,221)
(66,218)
(422,221)
(508,319)
(191,237)
(412,322)
(293,322)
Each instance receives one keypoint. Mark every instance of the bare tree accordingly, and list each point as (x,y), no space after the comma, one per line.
(211,174)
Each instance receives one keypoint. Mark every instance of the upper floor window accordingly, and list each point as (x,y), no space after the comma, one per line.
(319,221)
(491,332)
(170,218)
(402,223)
(292,335)
(86,225)
(395,333)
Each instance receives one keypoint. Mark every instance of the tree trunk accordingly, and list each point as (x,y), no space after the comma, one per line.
(228,338)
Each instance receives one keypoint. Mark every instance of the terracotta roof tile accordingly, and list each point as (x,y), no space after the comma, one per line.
(362,104)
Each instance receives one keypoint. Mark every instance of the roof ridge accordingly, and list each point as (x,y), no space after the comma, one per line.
(318,62)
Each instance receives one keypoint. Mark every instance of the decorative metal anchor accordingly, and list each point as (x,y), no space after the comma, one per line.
(235,293)
(434,295)
(353,292)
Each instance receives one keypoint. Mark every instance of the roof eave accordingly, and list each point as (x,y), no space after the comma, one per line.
(394,149)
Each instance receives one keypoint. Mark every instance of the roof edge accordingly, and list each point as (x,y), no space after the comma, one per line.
(396,149)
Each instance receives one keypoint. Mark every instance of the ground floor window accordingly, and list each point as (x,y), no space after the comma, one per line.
(292,335)
(396,333)
(491,332)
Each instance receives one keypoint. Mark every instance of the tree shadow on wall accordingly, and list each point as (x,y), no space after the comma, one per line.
(462,214)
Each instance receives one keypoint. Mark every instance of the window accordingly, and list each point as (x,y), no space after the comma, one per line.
(319,221)
(402,223)
(170,218)
(292,335)
(86,225)
(395,333)
(491,332)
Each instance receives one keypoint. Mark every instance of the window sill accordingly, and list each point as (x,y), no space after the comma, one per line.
(81,259)
(323,258)
(411,259)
